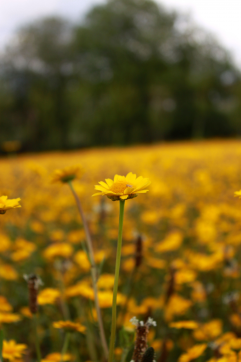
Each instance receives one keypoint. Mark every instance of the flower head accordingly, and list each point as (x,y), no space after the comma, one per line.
(238,194)
(6,204)
(123,187)
(66,174)
(12,350)
(69,326)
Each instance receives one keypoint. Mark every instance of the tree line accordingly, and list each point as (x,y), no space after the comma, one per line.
(129,72)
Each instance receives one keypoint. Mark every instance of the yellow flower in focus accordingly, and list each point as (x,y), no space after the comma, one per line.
(66,174)
(69,326)
(6,204)
(123,187)
(12,350)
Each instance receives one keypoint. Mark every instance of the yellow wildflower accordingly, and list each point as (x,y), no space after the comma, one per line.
(12,350)
(238,194)
(209,330)
(58,250)
(48,296)
(57,357)
(69,326)
(8,272)
(184,324)
(9,317)
(6,204)
(193,353)
(66,174)
(123,187)
(4,305)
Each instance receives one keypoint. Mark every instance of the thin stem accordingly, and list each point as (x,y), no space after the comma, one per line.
(1,345)
(117,272)
(65,346)
(37,345)
(93,271)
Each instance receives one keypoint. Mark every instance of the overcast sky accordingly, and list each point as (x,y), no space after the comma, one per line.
(221,17)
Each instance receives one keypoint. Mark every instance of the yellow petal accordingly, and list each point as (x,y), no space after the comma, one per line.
(97,194)
(109,182)
(124,197)
(104,185)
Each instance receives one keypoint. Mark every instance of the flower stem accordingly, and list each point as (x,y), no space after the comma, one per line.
(65,346)
(117,272)
(35,322)
(93,270)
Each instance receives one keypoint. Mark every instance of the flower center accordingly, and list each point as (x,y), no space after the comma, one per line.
(119,187)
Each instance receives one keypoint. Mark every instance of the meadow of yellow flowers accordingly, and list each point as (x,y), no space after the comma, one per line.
(181,253)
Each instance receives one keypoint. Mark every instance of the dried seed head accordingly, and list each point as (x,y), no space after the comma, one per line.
(142,330)
(33,284)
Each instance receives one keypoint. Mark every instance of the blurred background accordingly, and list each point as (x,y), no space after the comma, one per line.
(77,74)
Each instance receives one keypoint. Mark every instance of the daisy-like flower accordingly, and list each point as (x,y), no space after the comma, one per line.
(123,187)
(69,326)
(6,204)
(67,174)
(238,194)
(12,350)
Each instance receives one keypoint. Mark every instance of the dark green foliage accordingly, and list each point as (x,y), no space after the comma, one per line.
(130,72)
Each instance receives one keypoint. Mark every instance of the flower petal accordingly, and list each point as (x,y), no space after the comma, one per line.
(124,197)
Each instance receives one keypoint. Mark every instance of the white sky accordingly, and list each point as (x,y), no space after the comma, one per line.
(221,17)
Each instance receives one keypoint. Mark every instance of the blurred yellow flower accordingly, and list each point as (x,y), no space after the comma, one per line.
(57,357)
(4,305)
(6,204)
(12,350)
(193,353)
(184,324)
(9,317)
(66,174)
(48,296)
(209,330)
(123,187)
(57,250)
(69,326)
(238,194)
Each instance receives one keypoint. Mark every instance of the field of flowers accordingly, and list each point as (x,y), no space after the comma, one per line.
(181,254)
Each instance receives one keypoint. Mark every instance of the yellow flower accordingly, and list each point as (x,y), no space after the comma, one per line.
(69,326)
(9,317)
(66,174)
(57,357)
(193,353)
(12,350)
(48,296)
(6,204)
(123,187)
(238,194)
(184,324)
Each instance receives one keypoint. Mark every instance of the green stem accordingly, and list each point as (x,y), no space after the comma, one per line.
(117,272)
(65,346)
(35,322)
(93,270)
(1,344)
